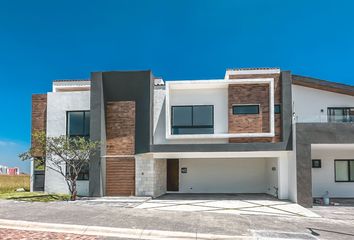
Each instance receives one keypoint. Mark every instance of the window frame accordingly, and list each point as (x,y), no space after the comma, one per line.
(346,118)
(316,160)
(80,178)
(275,107)
(192,120)
(84,117)
(244,105)
(348,164)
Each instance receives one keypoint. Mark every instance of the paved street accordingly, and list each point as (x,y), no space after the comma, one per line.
(335,223)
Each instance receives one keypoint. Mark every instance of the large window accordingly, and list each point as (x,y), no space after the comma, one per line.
(78,125)
(343,114)
(245,109)
(193,119)
(344,170)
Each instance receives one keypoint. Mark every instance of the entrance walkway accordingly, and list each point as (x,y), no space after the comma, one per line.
(241,204)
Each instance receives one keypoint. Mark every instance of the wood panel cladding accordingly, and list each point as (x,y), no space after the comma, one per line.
(120,128)
(39,120)
(120,176)
(254,94)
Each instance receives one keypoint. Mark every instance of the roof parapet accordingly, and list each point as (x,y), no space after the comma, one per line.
(250,71)
(71,85)
(159,81)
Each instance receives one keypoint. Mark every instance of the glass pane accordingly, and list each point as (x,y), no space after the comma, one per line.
(341,170)
(338,115)
(182,116)
(76,120)
(202,115)
(87,123)
(84,173)
(246,109)
(351,170)
(277,109)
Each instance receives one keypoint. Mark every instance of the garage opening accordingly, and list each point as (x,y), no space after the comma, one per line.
(229,175)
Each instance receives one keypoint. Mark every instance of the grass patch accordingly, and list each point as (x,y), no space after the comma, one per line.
(11,183)
(34,196)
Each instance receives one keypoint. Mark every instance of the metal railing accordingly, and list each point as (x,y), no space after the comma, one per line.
(323,118)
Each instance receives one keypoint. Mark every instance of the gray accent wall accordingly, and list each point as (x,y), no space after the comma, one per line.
(133,86)
(97,133)
(118,86)
(315,133)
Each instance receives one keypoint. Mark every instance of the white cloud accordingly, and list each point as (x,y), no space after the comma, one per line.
(7,143)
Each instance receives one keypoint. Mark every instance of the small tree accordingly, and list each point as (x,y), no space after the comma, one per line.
(66,156)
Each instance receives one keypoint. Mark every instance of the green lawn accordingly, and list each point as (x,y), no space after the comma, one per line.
(34,196)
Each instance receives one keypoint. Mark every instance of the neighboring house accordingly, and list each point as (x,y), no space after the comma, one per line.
(254,131)
(9,171)
(3,169)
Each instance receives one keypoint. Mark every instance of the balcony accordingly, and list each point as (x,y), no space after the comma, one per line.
(333,115)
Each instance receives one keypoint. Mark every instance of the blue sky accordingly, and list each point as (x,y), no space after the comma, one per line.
(45,40)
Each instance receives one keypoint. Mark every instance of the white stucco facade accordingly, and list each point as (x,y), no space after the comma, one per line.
(323,179)
(310,105)
(216,97)
(58,103)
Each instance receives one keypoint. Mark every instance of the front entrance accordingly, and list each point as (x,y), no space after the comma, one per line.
(172,174)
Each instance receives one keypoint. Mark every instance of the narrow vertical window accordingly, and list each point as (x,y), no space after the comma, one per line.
(78,125)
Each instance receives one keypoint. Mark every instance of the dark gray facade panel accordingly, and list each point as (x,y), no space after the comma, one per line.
(96,111)
(287,111)
(133,86)
(315,133)
(218,147)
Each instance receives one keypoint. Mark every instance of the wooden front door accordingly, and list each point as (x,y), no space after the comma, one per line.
(172,174)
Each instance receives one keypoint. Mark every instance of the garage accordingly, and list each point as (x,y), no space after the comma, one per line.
(223,175)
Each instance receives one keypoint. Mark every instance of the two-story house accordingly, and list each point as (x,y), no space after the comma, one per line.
(254,131)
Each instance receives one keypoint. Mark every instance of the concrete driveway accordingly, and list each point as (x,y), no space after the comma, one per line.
(241,204)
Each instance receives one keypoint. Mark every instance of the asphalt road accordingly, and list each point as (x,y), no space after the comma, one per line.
(336,223)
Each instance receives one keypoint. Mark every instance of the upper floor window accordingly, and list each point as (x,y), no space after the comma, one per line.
(245,109)
(193,119)
(340,114)
(78,124)
(277,108)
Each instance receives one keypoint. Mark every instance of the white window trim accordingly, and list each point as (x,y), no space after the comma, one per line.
(202,84)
